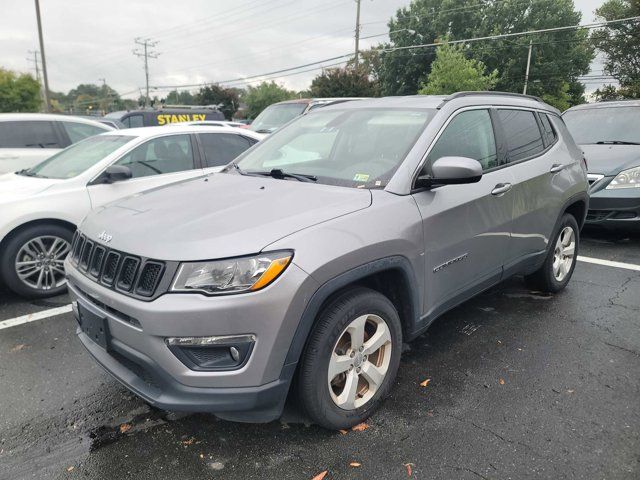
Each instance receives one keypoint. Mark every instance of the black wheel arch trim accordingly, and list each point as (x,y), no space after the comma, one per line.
(325,291)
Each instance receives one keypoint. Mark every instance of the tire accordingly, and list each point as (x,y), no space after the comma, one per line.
(52,281)
(319,397)
(546,278)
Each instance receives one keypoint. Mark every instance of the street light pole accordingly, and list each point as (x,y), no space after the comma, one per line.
(44,62)
(526,75)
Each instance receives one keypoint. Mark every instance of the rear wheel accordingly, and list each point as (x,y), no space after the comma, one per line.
(351,360)
(32,262)
(558,267)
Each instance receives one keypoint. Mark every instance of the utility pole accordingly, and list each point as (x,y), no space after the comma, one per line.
(356,59)
(44,62)
(104,95)
(146,44)
(526,75)
(36,64)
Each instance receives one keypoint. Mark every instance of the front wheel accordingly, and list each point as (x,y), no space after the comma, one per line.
(32,262)
(351,359)
(561,259)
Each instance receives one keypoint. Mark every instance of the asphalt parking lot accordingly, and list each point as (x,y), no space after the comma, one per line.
(522,385)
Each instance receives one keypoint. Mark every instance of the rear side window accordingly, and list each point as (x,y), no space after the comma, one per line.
(134,121)
(522,134)
(548,133)
(221,148)
(161,155)
(28,134)
(80,131)
(469,134)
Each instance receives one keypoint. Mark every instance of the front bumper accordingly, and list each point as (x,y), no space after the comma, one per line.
(616,209)
(139,358)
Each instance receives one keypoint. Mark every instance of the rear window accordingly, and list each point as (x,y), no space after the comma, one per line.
(522,134)
(80,131)
(28,134)
(604,124)
(548,132)
(221,148)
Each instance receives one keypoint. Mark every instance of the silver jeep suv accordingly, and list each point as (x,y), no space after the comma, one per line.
(301,268)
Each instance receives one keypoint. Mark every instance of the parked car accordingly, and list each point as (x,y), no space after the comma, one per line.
(111,122)
(28,138)
(41,206)
(609,135)
(278,114)
(318,270)
(151,117)
(218,123)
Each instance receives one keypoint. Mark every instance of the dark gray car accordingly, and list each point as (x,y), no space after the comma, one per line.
(303,267)
(609,135)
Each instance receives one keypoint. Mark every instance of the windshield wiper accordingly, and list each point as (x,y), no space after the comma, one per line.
(616,142)
(280,175)
(27,173)
(265,130)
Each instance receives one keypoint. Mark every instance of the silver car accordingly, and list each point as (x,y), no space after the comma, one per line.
(304,265)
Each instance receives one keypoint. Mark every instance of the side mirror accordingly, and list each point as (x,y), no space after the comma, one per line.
(114,173)
(451,171)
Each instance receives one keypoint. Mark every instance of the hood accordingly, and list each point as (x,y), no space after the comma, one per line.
(14,186)
(611,159)
(222,215)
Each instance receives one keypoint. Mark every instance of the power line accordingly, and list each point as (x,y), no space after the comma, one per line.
(409,47)
(146,43)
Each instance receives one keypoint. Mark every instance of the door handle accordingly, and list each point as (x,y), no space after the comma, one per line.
(501,188)
(556,167)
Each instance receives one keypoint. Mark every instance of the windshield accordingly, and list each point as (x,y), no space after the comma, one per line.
(356,148)
(275,116)
(77,158)
(613,124)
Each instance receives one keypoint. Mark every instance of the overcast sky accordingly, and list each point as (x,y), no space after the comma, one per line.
(198,40)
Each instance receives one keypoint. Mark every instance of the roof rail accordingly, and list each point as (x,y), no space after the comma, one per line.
(492,93)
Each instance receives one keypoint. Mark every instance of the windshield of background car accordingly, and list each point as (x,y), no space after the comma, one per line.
(359,148)
(275,116)
(593,125)
(77,158)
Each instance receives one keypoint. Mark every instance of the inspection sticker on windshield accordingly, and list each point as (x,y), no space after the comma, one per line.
(360,177)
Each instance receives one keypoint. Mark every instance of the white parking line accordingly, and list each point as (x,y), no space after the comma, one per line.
(52,312)
(32,317)
(609,263)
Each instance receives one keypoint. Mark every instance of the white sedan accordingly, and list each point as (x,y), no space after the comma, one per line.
(41,206)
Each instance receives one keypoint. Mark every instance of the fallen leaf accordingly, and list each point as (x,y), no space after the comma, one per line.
(409,469)
(501,381)
(425,383)
(355,464)
(201,455)
(125,427)
(320,476)
(570,391)
(343,432)
(70,468)
(430,413)
(360,427)
(17,348)
(189,441)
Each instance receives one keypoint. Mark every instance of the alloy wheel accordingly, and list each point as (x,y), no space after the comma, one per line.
(40,262)
(563,254)
(359,361)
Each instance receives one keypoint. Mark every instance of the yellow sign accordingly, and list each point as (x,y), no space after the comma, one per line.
(166,118)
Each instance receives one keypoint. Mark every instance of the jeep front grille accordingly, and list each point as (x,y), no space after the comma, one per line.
(116,270)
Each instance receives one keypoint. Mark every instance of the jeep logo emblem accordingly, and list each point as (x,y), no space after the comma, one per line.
(105,237)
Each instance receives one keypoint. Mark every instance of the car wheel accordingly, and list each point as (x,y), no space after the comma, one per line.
(351,359)
(33,261)
(558,267)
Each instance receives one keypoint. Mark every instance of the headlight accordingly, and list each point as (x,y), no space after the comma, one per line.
(626,179)
(234,275)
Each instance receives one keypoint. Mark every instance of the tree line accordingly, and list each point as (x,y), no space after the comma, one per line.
(559,66)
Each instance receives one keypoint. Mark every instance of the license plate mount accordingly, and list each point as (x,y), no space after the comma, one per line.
(94,326)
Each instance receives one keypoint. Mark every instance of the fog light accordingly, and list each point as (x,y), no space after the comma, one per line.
(212,353)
